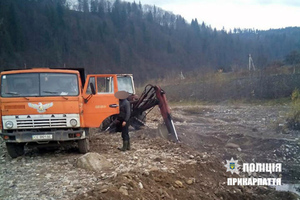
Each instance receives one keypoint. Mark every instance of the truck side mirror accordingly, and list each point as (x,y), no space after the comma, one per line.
(90,95)
(93,88)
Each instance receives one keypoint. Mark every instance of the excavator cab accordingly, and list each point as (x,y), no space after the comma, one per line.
(125,83)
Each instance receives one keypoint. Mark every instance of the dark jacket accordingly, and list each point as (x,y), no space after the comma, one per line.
(124,110)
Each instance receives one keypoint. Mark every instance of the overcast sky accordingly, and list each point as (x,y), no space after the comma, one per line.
(257,14)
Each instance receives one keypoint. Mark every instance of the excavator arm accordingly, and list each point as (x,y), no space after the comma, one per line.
(152,96)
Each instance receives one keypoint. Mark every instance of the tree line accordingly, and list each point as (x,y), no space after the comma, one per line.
(122,37)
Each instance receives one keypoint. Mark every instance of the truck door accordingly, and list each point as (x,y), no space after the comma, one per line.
(102,104)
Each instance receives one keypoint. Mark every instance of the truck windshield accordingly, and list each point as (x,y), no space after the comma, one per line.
(39,84)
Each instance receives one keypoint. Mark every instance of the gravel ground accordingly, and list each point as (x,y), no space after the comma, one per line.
(160,166)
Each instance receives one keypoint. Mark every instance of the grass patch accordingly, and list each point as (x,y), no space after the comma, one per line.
(195,110)
(189,103)
(234,102)
(270,102)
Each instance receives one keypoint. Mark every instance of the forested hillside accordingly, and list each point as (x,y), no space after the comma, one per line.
(121,37)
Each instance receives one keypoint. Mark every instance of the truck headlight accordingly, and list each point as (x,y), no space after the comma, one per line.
(9,124)
(73,122)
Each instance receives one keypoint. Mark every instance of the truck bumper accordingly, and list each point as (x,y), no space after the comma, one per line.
(47,136)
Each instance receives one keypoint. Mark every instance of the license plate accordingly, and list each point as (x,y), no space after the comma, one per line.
(41,137)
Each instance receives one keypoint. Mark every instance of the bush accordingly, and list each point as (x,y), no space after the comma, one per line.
(293,120)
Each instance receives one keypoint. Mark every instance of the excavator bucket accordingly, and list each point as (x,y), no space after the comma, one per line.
(165,112)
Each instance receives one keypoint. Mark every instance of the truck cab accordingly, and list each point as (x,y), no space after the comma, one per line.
(44,106)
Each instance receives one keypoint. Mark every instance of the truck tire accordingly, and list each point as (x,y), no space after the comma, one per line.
(15,149)
(84,145)
(105,124)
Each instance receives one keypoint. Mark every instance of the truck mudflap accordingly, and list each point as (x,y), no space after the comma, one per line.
(45,136)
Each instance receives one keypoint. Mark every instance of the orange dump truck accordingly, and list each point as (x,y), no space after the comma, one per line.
(44,106)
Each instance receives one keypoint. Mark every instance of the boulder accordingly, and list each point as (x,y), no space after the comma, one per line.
(232,145)
(93,161)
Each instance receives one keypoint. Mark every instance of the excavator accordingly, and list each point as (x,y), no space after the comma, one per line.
(152,96)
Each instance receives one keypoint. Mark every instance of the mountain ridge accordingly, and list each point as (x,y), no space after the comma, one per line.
(124,37)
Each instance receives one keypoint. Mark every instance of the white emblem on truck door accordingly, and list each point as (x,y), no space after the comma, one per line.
(40,107)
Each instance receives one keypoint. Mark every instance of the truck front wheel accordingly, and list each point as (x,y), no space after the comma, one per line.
(15,149)
(84,145)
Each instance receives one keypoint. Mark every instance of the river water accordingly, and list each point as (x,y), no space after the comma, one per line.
(295,188)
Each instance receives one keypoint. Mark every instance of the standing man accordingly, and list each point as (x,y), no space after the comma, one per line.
(123,118)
